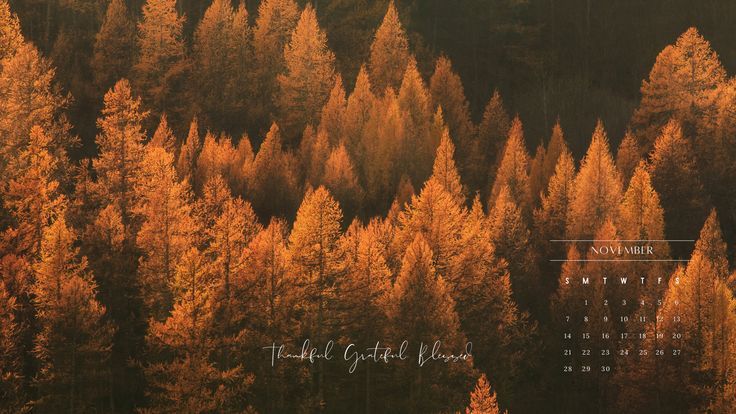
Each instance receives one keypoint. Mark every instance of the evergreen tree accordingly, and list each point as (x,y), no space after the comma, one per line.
(482,401)
(34,199)
(675,178)
(11,37)
(682,84)
(628,156)
(556,147)
(597,190)
(73,343)
(340,178)
(447,92)
(163,137)
(316,257)
(389,53)
(120,144)
(357,112)
(492,133)
(166,230)
(188,153)
(333,114)
(273,29)
(513,169)
(418,148)
(29,96)
(309,76)
(115,46)
(161,70)
(421,311)
(444,170)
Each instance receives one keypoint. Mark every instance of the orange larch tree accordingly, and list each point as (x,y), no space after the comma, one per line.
(389,53)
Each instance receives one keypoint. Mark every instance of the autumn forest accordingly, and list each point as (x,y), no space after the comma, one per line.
(189,185)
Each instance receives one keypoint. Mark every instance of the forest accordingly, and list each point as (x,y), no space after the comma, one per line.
(188,183)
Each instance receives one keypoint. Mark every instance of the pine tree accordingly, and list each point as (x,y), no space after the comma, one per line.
(273,28)
(316,257)
(682,84)
(34,198)
(166,230)
(438,217)
(482,401)
(444,170)
(492,133)
(29,96)
(12,393)
(513,168)
(556,147)
(163,137)
(418,147)
(309,76)
(421,311)
(188,153)
(162,68)
(597,189)
(114,48)
(340,178)
(267,270)
(389,53)
(333,113)
(73,343)
(675,178)
(628,156)
(120,144)
(536,175)
(11,37)
(272,183)
(700,307)
(186,380)
(447,92)
(357,112)
(222,58)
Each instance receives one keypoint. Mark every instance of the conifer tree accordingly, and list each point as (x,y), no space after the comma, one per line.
(340,178)
(115,46)
(482,400)
(675,178)
(699,306)
(357,112)
(628,157)
(682,84)
(120,144)
(556,147)
(317,258)
(186,380)
(273,29)
(34,199)
(536,174)
(222,58)
(513,168)
(444,170)
(640,216)
(272,182)
(511,238)
(438,217)
(419,144)
(597,189)
(73,343)
(161,69)
(492,133)
(188,153)
(29,96)
(11,37)
(309,76)
(389,53)
(447,92)
(421,310)
(164,137)
(333,113)
(166,229)
(12,393)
